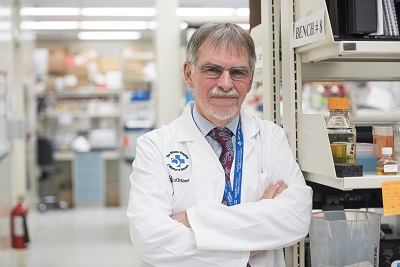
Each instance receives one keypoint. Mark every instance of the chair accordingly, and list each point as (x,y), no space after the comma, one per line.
(48,169)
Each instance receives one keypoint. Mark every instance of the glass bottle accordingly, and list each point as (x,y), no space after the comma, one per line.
(382,137)
(341,131)
(386,165)
(396,141)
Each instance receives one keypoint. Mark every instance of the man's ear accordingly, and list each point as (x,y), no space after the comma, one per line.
(187,74)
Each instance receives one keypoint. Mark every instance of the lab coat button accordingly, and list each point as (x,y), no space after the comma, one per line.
(216,180)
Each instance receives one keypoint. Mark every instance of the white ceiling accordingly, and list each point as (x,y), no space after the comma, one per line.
(71,34)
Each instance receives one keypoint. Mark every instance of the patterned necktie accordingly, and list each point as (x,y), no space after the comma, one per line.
(224,137)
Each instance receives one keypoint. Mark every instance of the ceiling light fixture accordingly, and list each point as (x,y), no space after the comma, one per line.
(114,25)
(49,25)
(183,25)
(50,11)
(109,35)
(204,12)
(119,12)
(245,26)
(242,12)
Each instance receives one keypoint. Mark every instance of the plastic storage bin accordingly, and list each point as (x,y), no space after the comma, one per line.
(345,239)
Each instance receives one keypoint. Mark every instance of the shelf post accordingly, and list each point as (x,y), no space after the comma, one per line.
(270,23)
(291,90)
(291,75)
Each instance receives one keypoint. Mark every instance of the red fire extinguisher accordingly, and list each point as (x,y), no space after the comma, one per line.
(19,229)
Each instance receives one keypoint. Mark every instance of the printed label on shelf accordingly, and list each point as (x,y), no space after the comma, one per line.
(259,62)
(310,29)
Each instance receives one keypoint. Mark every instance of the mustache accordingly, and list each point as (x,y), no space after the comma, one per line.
(219,92)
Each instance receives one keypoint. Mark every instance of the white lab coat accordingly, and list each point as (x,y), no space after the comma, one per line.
(176,170)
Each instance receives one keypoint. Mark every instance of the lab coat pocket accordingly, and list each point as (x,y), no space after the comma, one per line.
(183,188)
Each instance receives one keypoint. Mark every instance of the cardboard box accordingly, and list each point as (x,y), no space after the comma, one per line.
(65,194)
(134,68)
(108,64)
(79,71)
(56,60)
(112,194)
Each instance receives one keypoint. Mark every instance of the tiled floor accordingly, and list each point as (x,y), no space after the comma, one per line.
(81,237)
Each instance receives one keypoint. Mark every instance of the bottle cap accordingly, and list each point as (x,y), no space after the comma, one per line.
(387,151)
(338,103)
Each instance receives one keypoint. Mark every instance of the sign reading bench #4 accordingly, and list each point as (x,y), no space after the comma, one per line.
(310,29)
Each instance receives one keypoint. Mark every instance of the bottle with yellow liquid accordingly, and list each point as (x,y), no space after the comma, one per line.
(386,165)
(341,131)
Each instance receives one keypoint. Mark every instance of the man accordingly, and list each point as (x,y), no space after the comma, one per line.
(229,196)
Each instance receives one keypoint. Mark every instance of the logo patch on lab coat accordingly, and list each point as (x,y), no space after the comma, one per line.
(178,161)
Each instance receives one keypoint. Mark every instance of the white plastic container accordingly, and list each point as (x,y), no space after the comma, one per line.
(345,239)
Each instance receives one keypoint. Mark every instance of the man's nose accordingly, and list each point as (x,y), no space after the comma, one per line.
(225,81)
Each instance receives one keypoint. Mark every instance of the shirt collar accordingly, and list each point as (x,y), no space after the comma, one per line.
(205,126)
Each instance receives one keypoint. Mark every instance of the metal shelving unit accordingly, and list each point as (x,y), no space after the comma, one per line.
(329,60)
(325,60)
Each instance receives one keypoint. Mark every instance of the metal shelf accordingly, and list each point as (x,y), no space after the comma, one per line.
(82,92)
(368,181)
(354,50)
(350,71)
(81,114)
(315,158)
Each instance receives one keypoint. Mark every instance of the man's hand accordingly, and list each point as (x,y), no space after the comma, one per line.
(182,218)
(272,191)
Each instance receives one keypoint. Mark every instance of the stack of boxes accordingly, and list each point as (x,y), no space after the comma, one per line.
(84,69)
(138,70)
(108,69)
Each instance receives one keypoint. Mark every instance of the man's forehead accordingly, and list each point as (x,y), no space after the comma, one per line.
(216,47)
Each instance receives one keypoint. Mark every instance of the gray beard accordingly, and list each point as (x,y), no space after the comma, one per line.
(217,115)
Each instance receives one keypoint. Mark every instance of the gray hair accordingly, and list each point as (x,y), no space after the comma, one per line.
(217,33)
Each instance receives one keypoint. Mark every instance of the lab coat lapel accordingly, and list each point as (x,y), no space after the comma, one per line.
(250,130)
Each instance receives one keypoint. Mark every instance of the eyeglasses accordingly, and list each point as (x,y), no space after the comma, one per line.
(214,71)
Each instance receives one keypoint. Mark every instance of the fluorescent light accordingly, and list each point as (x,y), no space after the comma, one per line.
(109,35)
(50,25)
(152,25)
(50,11)
(5,12)
(184,25)
(242,12)
(204,12)
(5,25)
(114,25)
(119,12)
(245,26)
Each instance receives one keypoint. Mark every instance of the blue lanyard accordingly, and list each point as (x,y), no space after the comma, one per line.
(232,196)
